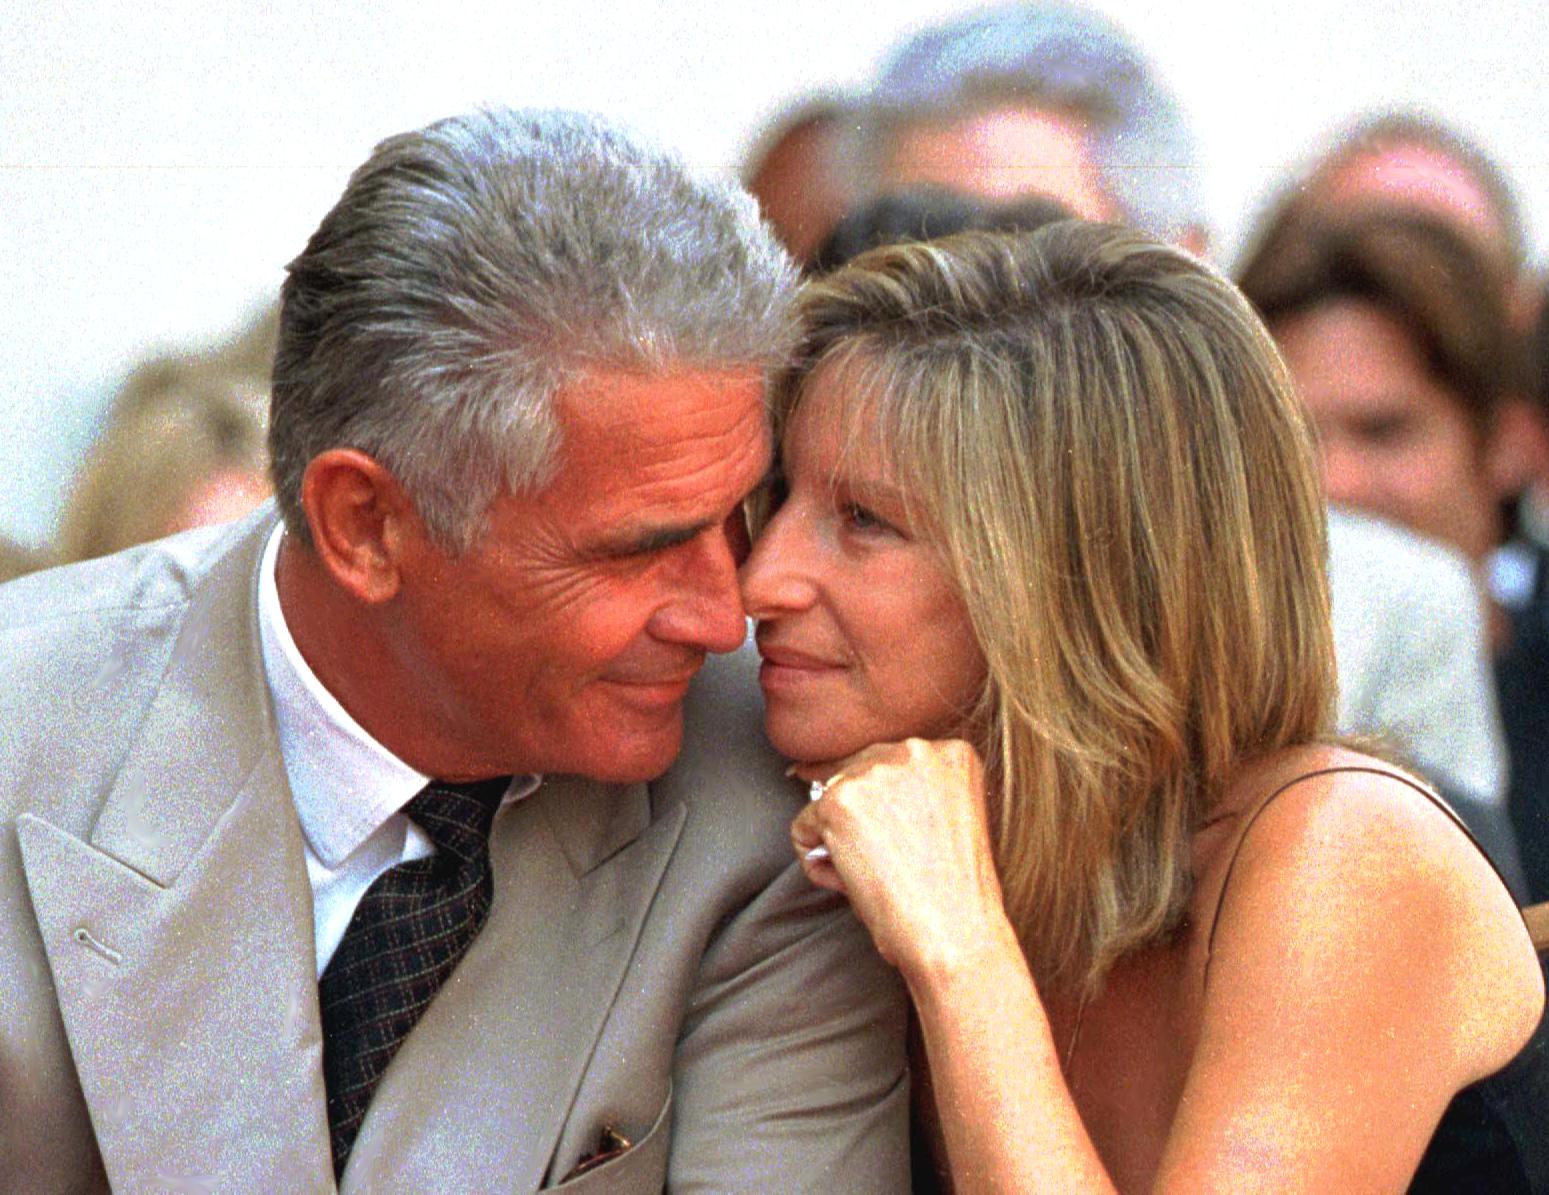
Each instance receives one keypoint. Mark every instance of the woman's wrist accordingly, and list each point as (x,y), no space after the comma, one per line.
(940,968)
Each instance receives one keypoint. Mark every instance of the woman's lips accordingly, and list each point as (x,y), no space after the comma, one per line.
(786,668)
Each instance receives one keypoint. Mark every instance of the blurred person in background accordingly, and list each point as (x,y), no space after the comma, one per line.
(798,170)
(1037,98)
(1396,328)
(248,356)
(189,454)
(1409,160)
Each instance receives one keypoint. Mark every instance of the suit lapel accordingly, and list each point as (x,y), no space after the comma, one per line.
(484,1083)
(180,936)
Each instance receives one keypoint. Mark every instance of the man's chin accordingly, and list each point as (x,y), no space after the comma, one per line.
(636,758)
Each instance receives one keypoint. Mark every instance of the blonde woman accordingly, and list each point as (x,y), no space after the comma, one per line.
(186,453)
(1042,609)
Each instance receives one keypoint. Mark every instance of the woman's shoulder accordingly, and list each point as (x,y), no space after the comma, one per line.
(1335,803)
(1345,873)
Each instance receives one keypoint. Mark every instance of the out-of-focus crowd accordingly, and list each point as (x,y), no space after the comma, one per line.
(1393,272)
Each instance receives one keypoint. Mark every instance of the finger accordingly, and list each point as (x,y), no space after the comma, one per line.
(822,874)
(807,830)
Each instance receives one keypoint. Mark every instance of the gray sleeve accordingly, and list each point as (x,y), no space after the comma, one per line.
(790,1072)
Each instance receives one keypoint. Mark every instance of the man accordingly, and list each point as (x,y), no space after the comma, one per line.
(1043,97)
(273,910)
(1037,98)
(1408,161)
(797,171)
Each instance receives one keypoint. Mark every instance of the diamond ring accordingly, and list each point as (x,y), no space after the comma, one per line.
(817,788)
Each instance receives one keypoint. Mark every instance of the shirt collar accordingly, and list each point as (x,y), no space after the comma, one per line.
(344,782)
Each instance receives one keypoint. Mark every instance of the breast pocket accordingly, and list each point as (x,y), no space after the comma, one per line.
(641,1169)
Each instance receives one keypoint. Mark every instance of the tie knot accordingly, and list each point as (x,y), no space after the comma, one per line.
(457,817)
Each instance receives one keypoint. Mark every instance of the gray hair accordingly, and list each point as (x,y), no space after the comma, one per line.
(1056,55)
(473,268)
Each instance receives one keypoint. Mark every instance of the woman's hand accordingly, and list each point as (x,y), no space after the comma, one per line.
(909,843)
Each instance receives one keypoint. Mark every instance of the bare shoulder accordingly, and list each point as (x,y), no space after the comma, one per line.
(1352,881)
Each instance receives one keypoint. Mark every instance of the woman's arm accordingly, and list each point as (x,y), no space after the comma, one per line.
(910,845)
(1367,964)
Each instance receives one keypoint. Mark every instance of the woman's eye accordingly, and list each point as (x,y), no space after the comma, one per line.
(858,518)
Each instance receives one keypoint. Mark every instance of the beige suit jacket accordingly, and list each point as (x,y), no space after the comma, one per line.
(653,962)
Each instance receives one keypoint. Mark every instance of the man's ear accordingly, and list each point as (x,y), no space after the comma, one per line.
(362,522)
(1517,449)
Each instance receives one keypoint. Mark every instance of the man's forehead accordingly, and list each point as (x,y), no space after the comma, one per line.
(666,448)
(663,407)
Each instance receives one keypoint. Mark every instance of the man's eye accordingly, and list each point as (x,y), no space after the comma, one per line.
(1385,430)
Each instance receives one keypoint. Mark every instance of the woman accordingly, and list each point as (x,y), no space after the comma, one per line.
(1041,599)
(186,453)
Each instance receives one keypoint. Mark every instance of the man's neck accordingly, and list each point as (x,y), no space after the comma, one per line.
(340,641)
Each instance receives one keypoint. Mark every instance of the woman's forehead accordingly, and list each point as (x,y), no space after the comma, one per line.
(839,408)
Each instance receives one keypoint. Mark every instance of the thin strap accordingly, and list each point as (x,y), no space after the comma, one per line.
(1231,865)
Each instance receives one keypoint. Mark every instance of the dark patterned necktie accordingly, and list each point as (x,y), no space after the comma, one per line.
(410,929)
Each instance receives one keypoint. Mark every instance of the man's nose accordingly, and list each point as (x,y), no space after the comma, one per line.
(706,610)
(1346,473)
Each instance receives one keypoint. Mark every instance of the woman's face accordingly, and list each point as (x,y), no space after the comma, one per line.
(1395,440)
(863,635)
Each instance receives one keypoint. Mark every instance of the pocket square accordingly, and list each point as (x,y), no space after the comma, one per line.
(610,1144)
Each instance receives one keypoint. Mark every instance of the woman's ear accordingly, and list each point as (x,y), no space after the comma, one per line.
(361,520)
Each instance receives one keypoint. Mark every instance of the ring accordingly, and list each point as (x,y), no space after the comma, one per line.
(817,788)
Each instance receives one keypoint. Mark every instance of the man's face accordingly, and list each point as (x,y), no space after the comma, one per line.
(565,639)
(1002,153)
(1396,441)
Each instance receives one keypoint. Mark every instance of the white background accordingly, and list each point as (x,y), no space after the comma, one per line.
(162,159)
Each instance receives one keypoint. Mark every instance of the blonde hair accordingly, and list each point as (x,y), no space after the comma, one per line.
(159,445)
(1117,473)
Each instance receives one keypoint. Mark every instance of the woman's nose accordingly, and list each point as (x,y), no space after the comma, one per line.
(777,576)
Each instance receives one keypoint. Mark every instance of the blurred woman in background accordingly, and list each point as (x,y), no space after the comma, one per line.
(187,454)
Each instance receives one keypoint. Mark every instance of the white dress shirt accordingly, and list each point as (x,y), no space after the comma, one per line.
(348,788)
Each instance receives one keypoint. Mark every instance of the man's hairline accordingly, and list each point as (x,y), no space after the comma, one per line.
(548,467)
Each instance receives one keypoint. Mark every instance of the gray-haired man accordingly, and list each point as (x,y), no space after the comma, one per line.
(351,846)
